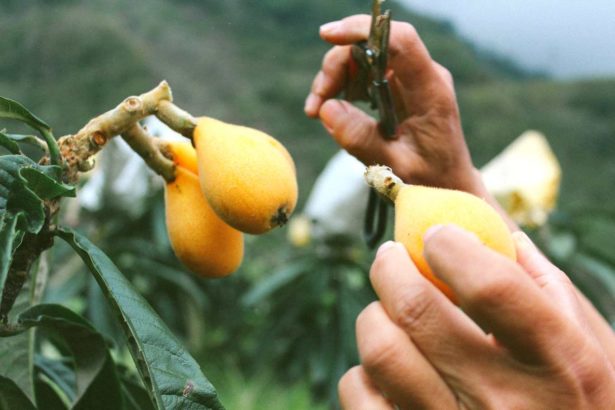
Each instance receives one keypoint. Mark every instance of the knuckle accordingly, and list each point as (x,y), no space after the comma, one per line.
(490,292)
(317,83)
(414,305)
(330,56)
(334,58)
(354,134)
(588,369)
(378,354)
(445,74)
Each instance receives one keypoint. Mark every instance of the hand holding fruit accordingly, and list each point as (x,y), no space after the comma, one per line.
(419,208)
(428,148)
(523,338)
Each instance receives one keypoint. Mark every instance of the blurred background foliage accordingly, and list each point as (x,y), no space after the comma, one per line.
(279,333)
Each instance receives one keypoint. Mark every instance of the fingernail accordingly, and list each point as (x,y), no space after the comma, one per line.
(522,240)
(385,246)
(329,28)
(431,231)
(329,129)
(311,104)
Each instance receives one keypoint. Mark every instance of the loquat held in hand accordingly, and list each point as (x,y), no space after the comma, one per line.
(418,208)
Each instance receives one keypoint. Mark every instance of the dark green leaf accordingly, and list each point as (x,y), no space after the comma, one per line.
(97,385)
(274,282)
(596,279)
(28,139)
(172,377)
(15,197)
(13,110)
(16,360)
(47,398)
(7,238)
(9,144)
(11,396)
(59,373)
(17,351)
(24,185)
(135,396)
(44,186)
(175,277)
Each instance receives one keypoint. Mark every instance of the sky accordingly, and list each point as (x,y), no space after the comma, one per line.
(569,39)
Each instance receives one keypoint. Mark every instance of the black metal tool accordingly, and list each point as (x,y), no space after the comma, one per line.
(368,82)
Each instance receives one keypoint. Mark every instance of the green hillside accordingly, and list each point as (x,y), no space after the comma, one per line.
(252,62)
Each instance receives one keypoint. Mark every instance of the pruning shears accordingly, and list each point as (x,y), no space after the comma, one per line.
(368,82)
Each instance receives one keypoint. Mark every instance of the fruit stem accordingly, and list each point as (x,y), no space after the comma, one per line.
(176,118)
(143,144)
(383,180)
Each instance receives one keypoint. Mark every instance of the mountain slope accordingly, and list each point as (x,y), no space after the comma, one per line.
(252,62)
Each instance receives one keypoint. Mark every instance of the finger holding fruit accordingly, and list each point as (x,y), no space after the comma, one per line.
(419,208)
(510,346)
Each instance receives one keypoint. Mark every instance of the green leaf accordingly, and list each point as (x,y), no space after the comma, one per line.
(15,364)
(59,373)
(47,394)
(174,277)
(44,186)
(11,396)
(24,185)
(8,233)
(9,144)
(15,197)
(28,139)
(135,396)
(596,279)
(17,352)
(272,283)
(13,110)
(171,375)
(97,385)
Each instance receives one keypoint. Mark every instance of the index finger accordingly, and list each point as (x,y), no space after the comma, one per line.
(408,56)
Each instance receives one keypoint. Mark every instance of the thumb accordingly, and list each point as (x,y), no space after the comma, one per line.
(353,130)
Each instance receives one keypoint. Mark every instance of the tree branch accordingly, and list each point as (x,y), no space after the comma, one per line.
(77,149)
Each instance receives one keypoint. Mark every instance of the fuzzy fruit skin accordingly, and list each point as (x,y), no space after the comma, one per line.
(247,176)
(184,155)
(200,239)
(417,208)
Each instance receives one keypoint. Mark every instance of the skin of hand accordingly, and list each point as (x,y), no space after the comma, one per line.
(428,147)
(523,338)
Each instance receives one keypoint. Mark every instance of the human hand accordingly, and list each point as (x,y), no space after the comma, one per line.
(523,338)
(428,147)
